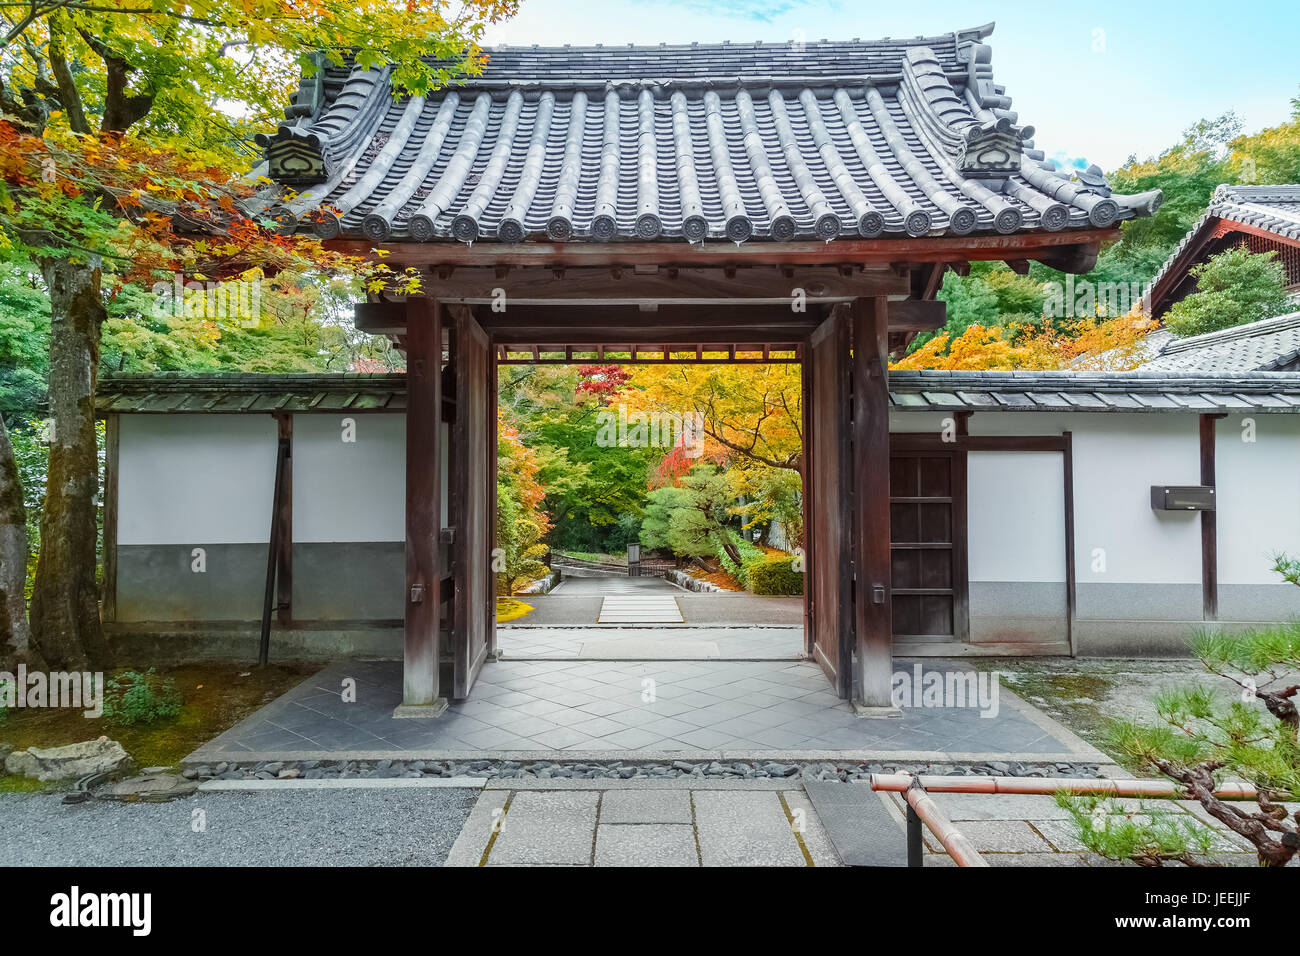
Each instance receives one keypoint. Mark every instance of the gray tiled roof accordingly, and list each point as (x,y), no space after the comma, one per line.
(246,392)
(908,391)
(1275,209)
(1258,346)
(727,141)
(1140,391)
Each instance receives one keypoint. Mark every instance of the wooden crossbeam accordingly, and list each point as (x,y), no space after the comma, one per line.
(667,286)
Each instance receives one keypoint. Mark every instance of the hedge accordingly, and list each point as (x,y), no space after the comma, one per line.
(774,576)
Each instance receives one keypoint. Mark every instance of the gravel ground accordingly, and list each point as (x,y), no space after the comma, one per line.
(305,828)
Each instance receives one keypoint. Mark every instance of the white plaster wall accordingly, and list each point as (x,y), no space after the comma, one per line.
(1258,492)
(195,479)
(1117,458)
(349,491)
(1016,516)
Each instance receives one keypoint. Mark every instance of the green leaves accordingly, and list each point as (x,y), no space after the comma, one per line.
(1233,288)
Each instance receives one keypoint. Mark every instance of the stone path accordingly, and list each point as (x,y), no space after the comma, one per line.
(640,609)
(640,827)
(709,709)
(572,643)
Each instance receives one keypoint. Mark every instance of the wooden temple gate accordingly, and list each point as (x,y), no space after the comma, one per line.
(840,320)
(808,195)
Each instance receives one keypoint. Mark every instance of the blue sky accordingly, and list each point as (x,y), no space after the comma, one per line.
(1099,79)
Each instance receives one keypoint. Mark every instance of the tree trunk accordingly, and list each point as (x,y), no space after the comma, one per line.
(65,601)
(15,637)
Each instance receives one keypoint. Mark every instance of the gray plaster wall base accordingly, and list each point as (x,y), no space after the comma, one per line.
(1156,639)
(1259,602)
(169,643)
(1017,612)
(349,581)
(1106,601)
(159,583)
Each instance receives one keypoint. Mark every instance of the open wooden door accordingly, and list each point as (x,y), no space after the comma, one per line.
(473,441)
(829,560)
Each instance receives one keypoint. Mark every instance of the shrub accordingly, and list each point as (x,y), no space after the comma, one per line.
(4,711)
(774,576)
(136,698)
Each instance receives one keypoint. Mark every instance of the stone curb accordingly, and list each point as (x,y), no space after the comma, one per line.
(349,783)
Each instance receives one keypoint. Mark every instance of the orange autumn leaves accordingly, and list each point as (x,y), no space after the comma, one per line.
(1087,344)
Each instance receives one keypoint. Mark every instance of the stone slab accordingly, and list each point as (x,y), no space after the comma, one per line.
(813,835)
(656,844)
(646,806)
(478,830)
(558,827)
(858,824)
(744,829)
(644,649)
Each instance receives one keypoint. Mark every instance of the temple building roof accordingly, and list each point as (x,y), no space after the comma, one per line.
(699,142)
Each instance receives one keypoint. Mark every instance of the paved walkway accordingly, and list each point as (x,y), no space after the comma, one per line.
(663,643)
(576,602)
(664,827)
(701,709)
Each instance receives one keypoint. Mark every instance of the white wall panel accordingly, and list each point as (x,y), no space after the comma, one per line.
(1258,492)
(1016,516)
(195,479)
(349,491)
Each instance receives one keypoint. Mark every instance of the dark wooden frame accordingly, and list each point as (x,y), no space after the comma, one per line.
(420,684)
(872,559)
(112,465)
(284,560)
(960,536)
(1064,443)
(1209,523)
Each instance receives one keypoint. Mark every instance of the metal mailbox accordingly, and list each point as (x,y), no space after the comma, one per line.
(1182,498)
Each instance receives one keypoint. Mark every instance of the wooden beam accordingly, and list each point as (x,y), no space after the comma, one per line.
(284,559)
(1209,525)
(736,317)
(112,490)
(380,318)
(917,315)
(420,687)
(674,336)
(846,251)
(685,286)
(873,618)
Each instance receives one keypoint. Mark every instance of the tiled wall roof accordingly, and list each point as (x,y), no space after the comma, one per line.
(701,142)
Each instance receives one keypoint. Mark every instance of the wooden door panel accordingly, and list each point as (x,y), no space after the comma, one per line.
(830,501)
(472,542)
(925,512)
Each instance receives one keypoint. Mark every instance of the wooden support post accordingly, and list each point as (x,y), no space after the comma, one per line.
(112,443)
(873,617)
(284,558)
(1209,526)
(420,691)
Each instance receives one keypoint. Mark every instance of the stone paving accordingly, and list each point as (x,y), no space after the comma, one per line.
(1030,830)
(573,643)
(638,827)
(723,708)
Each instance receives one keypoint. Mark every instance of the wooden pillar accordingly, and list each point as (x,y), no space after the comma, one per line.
(284,557)
(112,444)
(873,617)
(420,691)
(1209,526)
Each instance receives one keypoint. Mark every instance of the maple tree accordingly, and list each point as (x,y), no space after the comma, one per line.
(123,126)
(521,521)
